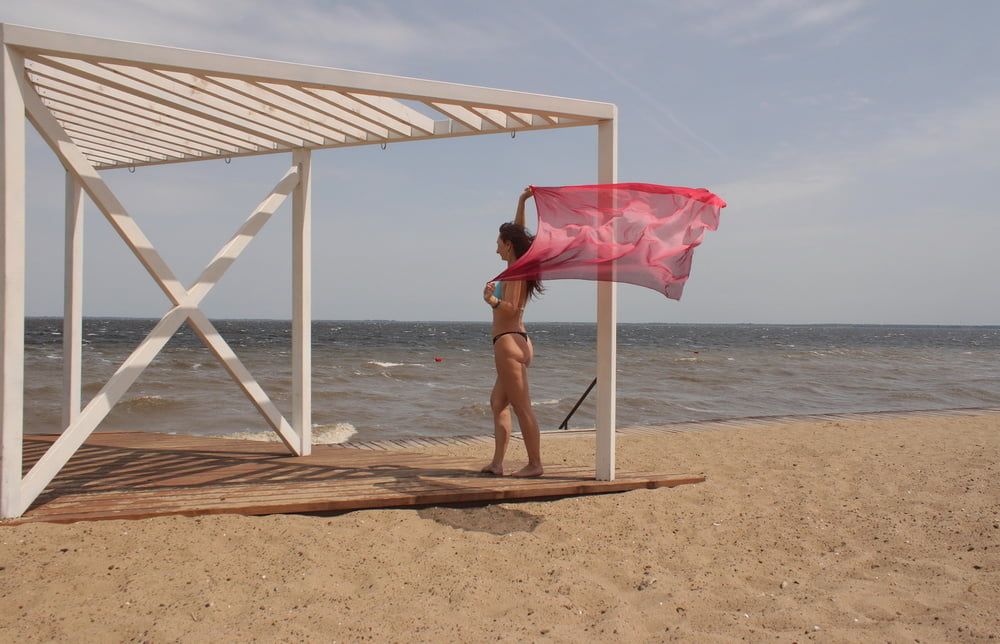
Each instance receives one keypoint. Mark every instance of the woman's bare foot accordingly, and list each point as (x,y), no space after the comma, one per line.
(529,471)
(496,470)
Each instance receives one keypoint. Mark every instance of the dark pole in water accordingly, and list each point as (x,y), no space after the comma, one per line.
(565,423)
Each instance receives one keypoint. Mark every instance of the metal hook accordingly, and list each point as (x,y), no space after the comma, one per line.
(229,160)
(131,169)
(513,134)
(384,145)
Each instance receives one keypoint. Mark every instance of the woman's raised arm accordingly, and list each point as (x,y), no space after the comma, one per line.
(519,214)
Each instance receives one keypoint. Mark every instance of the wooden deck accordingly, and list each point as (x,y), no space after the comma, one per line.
(137,475)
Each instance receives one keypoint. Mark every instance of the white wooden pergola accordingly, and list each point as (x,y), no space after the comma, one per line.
(104,104)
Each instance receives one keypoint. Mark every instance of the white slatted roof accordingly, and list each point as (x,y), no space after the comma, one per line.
(128,104)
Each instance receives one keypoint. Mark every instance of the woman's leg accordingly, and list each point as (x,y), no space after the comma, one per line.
(512,359)
(500,407)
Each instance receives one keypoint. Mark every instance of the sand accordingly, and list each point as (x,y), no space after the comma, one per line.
(846,530)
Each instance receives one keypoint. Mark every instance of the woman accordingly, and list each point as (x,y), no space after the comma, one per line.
(512,350)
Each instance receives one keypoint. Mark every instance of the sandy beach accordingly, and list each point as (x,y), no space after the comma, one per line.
(826,530)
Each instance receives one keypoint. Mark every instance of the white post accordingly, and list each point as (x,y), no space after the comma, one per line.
(607,318)
(302,303)
(73,300)
(11,283)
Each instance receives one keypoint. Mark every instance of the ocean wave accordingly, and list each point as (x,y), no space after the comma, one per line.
(386,365)
(331,434)
(551,401)
(147,403)
(475,410)
(321,434)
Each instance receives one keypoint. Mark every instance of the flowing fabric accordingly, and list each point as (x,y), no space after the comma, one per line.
(637,233)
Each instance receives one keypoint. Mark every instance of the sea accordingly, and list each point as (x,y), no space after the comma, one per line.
(377,380)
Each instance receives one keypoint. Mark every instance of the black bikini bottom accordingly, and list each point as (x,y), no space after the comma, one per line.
(500,335)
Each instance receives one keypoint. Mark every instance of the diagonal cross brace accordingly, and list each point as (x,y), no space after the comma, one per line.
(185,303)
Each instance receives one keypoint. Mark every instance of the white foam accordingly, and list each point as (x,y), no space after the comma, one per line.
(703,411)
(330,434)
(321,434)
(386,365)
(552,401)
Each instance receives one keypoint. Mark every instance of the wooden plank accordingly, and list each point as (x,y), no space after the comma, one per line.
(132,475)
(323,503)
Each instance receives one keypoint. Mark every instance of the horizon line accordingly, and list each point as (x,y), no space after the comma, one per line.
(591,323)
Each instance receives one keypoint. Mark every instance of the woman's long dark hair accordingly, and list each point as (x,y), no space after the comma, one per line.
(521,239)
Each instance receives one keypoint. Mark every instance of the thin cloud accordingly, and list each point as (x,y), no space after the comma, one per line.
(965,131)
(752,22)
(337,35)
(680,132)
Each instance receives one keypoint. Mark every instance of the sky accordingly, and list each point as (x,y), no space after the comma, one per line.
(856,143)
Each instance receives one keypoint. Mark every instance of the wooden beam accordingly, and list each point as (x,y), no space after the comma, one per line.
(64,94)
(100,124)
(187,309)
(276,102)
(522,117)
(105,158)
(389,107)
(607,322)
(302,302)
(105,142)
(149,103)
(496,117)
(204,329)
(444,129)
(102,196)
(344,107)
(12,202)
(462,115)
(358,109)
(252,69)
(123,77)
(227,255)
(42,473)
(72,301)
(219,102)
(327,111)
